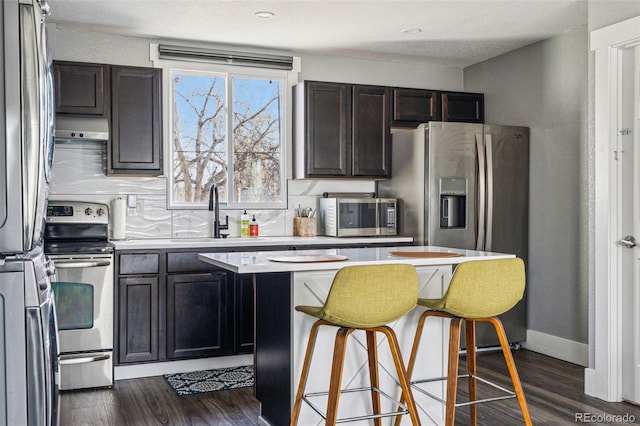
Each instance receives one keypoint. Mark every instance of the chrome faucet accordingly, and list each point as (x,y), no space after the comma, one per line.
(214,206)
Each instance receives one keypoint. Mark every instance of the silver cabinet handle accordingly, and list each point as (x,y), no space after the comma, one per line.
(82,359)
(628,241)
(90,264)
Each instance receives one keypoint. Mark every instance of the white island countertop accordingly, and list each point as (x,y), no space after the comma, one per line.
(235,242)
(263,261)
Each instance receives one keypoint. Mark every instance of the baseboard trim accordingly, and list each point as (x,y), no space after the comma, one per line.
(184,366)
(557,347)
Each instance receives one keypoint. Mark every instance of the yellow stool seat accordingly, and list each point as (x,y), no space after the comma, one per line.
(362,298)
(478,291)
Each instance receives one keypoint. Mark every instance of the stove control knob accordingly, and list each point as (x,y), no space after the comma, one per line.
(100,212)
(88,211)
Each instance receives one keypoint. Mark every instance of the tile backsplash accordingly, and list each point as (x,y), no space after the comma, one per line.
(79,175)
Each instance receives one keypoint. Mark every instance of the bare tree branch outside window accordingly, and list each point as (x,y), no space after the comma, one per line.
(200,142)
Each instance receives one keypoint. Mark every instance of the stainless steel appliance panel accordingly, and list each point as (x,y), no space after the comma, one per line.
(507,150)
(13,355)
(452,153)
(27,324)
(84,299)
(352,217)
(409,183)
(84,296)
(84,370)
(484,169)
(26,142)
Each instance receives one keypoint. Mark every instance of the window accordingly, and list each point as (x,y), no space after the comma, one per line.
(225,127)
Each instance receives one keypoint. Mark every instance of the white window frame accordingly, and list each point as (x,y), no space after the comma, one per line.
(288,79)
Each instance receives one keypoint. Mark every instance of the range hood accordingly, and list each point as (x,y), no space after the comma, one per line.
(72,129)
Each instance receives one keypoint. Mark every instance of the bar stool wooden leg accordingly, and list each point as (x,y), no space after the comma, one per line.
(339,352)
(403,378)
(511,366)
(470,334)
(413,355)
(452,374)
(372,350)
(305,371)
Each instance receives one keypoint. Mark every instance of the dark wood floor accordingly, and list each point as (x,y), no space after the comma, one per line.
(554,391)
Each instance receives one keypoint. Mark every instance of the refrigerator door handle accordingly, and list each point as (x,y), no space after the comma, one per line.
(489,191)
(481,192)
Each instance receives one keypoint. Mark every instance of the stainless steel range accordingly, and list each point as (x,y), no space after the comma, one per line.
(76,240)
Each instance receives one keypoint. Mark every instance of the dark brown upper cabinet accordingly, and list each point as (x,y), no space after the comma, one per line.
(463,107)
(371,126)
(81,88)
(341,131)
(414,106)
(136,121)
(322,129)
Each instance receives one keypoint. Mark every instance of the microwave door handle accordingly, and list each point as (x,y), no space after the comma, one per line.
(82,264)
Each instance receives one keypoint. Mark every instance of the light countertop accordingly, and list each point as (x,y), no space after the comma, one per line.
(258,262)
(170,243)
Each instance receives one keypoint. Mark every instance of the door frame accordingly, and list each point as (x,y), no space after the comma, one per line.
(603,378)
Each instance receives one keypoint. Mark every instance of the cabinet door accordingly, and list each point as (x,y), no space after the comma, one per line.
(136,125)
(196,315)
(243,328)
(371,132)
(327,129)
(463,107)
(138,319)
(413,106)
(81,88)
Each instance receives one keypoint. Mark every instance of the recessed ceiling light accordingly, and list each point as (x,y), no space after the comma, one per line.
(411,31)
(264,14)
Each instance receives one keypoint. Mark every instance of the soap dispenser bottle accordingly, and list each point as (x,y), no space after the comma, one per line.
(253,227)
(244,224)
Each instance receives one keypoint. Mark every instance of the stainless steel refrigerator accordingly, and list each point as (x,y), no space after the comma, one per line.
(466,186)
(28,331)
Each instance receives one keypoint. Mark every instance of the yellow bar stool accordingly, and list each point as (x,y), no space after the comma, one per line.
(478,291)
(362,298)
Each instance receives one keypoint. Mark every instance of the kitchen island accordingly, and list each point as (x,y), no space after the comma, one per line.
(283,280)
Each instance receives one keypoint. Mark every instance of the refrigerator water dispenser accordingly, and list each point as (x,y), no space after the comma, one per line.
(453,203)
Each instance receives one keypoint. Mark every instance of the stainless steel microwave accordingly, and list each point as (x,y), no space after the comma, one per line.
(357,217)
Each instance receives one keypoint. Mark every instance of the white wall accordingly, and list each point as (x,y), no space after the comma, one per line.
(79,171)
(544,87)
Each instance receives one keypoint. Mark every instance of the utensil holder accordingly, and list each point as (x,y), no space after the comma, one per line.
(304,226)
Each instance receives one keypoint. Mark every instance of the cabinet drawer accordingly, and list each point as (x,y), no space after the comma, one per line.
(139,263)
(188,262)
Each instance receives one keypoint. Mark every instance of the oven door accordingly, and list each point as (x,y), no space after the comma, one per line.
(83,288)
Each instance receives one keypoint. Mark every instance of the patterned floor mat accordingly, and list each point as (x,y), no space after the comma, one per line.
(211,380)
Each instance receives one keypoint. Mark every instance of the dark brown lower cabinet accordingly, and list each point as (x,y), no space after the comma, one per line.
(197,315)
(243,327)
(138,319)
(171,305)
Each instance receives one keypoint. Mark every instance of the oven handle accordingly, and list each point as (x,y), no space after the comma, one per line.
(81,264)
(82,358)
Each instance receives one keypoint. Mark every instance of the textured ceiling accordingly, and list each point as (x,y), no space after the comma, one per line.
(453,32)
